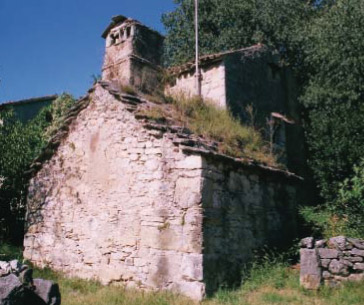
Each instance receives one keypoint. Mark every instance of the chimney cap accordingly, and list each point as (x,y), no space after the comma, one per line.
(115,20)
(119,19)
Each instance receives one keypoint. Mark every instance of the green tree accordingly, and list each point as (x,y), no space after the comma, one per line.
(233,24)
(334,95)
(19,144)
(344,215)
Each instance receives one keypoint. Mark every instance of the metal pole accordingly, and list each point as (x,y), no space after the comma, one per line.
(198,72)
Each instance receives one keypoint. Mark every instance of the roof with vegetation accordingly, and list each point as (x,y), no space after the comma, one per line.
(217,136)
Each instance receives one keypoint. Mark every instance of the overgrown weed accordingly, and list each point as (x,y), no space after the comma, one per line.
(202,117)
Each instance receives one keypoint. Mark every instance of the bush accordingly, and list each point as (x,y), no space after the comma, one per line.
(20,143)
(343,216)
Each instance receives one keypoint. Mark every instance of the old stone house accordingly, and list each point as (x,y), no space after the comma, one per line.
(251,77)
(118,197)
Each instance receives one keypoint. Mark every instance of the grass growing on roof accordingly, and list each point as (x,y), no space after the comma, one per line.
(210,122)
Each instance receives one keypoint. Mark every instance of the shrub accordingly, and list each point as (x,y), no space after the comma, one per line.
(20,143)
(343,216)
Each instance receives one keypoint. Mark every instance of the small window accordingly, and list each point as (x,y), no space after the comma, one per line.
(128,32)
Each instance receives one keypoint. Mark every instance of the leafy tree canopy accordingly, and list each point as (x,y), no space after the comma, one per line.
(322,40)
(232,24)
(334,95)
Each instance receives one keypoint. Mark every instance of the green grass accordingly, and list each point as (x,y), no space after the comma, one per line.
(266,284)
(8,252)
(210,122)
(128,89)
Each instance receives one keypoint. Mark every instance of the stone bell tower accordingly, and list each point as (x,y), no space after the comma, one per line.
(133,54)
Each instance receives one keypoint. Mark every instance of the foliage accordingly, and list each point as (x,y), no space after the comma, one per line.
(128,89)
(343,216)
(9,252)
(210,122)
(233,24)
(322,42)
(55,114)
(334,62)
(20,143)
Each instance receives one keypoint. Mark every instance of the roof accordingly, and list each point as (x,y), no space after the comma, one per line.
(180,135)
(119,19)
(45,98)
(211,58)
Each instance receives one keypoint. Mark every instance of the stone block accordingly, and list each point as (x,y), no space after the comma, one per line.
(357,252)
(346,262)
(326,275)
(307,242)
(359,266)
(338,242)
(328,253)
(191,267)
(194,290)
(310,274)
(325,262)
(356,277)
(320,243)
(357,243)
(8,284)
(48,291)
(339,268)
(190,162)
(188,192)
(354,259)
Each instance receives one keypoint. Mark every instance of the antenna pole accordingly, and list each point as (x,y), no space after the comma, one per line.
(198,72)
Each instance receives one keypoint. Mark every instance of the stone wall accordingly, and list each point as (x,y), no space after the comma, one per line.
(212,84)
(331,262)
(150,206)
(244,210)
(119,204)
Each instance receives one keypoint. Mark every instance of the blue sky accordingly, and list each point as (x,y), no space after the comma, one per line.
(55,46)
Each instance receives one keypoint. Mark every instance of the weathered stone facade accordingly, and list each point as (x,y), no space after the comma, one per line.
(253,77)
(331,262)
(147,206)
(125,199)
(213,84)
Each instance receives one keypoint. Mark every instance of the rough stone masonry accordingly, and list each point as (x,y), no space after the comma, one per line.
(127,200)
(331,262)
(119,199)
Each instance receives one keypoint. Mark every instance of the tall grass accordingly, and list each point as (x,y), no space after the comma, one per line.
(269,282)
(211,122)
